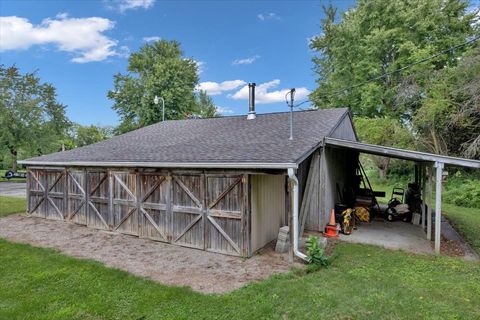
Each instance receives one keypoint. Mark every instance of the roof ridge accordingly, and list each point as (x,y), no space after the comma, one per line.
(244,115)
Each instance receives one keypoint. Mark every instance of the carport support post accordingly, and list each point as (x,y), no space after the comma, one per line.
(438,204)
(424,194)
(429,202)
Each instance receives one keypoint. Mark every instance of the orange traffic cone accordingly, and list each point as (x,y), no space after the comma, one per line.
(332,218)
(331,230)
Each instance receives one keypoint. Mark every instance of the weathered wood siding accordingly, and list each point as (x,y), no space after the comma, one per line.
(154,205)
(188,221)
(76,197)
(226,224)
(337,172)
(199,209)
(344,130)
(310,208)
(268,208)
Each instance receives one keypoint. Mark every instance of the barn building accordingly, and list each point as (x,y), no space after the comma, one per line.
(223,184)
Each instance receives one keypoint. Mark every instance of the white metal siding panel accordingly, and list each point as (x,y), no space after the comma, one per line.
(268,208)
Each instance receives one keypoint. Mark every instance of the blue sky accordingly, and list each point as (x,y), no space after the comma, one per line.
(79,45)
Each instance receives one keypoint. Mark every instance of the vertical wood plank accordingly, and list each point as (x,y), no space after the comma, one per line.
(65,194)
(29,202)
(110,219)
(169,209)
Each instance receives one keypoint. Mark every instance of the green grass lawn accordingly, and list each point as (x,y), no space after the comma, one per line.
(363,282)
(466,221)
(9,205)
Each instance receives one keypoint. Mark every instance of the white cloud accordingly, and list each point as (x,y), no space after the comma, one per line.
(200,66)
(246,60)
(124,5)
(215,88)
(264,96)
(124,52)
(223,110)
(311,39)
(82,37)
(151,39)
(268,16)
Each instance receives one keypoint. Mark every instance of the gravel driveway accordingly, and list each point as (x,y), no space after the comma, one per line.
(168,264)
(13,189)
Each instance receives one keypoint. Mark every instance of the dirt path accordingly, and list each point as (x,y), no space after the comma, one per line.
(168,264)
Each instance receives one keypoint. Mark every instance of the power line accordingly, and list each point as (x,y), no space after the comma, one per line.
(400,69)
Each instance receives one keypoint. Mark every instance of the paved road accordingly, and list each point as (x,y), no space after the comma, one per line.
(13,189)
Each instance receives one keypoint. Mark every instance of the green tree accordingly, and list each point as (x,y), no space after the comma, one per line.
(448,122)
(158,69)
(386,132)
(378,37)
(80,136)
(32,122)
(205,107)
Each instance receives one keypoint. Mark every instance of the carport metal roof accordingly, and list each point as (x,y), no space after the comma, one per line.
(402,154)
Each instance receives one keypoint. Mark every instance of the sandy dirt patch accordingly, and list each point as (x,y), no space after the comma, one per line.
(168,264)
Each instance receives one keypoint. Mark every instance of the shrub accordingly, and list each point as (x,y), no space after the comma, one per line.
(315,254)
(463,189)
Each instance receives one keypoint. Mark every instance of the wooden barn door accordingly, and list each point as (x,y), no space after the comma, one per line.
(226,225)
(187,218)
(154,198)
(98,195)
(56,195)
(37,186)
(125,213)
(76,197)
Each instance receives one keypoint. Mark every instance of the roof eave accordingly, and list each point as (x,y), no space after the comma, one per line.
(402,153)
(203,165)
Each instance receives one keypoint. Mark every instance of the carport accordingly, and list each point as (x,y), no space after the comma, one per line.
(428,164)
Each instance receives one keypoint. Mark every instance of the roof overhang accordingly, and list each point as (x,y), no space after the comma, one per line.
(199,165)
(401,153)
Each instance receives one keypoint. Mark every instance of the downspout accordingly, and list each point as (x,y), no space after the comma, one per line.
(294,180)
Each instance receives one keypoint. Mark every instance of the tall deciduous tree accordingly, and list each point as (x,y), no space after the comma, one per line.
(448,122)
(205,106)
(378,37)
(32,122)
(386,132)
(79,136)
(158,69)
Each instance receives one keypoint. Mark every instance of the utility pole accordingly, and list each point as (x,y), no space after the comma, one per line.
(292,94)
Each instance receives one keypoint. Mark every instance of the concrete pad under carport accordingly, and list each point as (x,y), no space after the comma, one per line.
(396,235)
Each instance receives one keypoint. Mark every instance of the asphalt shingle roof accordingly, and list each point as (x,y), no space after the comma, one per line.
(217,140)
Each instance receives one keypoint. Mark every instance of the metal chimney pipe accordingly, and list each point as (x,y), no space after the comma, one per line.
(251,101)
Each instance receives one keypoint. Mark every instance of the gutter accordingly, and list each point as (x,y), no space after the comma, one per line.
(213,165)
(294,180)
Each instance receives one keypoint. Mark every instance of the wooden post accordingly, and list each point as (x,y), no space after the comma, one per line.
(29,186)
(423,193)
(311,190)
(429,202)
(111,195)
(438,204)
